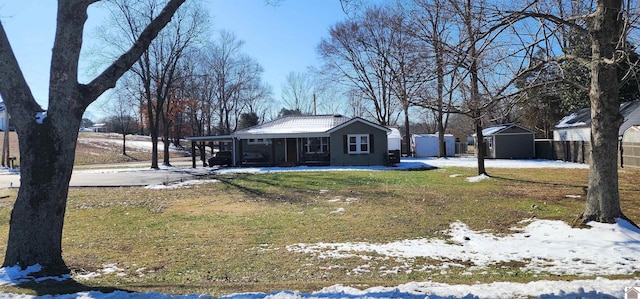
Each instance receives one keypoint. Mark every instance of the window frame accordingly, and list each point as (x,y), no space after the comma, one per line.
(258,141)
(358,144)
(323,145)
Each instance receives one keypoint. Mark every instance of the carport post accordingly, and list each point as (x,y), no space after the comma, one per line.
(193,154)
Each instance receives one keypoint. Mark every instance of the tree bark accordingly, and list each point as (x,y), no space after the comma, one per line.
(603,199)
(37,218)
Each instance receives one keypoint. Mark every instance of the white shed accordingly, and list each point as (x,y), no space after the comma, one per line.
(394,139)
(426,145)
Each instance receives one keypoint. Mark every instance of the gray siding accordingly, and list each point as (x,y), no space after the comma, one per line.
(520,146)
(340,157)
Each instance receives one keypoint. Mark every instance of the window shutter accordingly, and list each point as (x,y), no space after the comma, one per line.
(345,144)
(371,147)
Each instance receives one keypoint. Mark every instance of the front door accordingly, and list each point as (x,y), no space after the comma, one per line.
(292,150)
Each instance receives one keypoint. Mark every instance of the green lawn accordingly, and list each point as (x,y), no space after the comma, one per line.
(230,236)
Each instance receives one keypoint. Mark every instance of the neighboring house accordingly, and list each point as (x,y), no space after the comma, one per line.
(309,140)
(577,125)
(98,128)
(509,141)
(427,145)
(572,136)
(3,118)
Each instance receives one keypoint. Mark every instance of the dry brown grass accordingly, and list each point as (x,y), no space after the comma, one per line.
(231,236)
(100,148)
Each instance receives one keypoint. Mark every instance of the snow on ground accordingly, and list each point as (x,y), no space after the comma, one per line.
(180,185)
(133,142)
(417,164)
(542,245)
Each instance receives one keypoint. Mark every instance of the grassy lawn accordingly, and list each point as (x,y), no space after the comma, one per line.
(231,236)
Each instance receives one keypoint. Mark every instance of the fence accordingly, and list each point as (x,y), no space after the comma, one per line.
(569,151)
(580,152)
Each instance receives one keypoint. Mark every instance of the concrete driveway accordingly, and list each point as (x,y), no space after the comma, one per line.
(118,175)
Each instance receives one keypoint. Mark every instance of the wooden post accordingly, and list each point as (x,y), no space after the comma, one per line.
(193,154)
(5,143)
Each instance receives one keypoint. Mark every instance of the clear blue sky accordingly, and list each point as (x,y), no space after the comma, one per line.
(281,38)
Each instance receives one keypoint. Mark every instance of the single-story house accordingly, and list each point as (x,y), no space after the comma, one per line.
(428,145)
(509,141)
(309,140)
(577,125)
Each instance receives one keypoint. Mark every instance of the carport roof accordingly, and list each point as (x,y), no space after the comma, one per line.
(209,138)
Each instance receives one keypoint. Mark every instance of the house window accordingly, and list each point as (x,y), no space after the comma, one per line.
(358,143)
(258,141)
(316,145)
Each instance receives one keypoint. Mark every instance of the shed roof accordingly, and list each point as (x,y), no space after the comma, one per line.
(582,118)
(495,130)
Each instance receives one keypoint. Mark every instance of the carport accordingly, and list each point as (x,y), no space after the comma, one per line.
(201,141)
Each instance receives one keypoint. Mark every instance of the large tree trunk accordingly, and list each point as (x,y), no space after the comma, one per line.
(603,199)
(48,141)
(47,153)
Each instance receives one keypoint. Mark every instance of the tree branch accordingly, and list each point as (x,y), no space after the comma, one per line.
(13,87)
(108,78)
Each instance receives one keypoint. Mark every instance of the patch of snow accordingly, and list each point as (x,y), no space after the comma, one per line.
(338,211)
(180,185)
(544,246)
(492,130)
(567,121)
(475,179)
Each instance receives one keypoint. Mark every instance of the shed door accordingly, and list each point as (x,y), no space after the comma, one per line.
(292,150)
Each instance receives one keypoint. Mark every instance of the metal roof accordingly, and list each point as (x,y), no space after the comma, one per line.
(501,128)
(582,118)
(298,125)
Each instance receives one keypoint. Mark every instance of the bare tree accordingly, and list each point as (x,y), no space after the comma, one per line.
(409,62)
(357,54)
(122,110)
(488,65)
(235,79)
(297,92)
(48,138)
(157,70)
(431,23)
